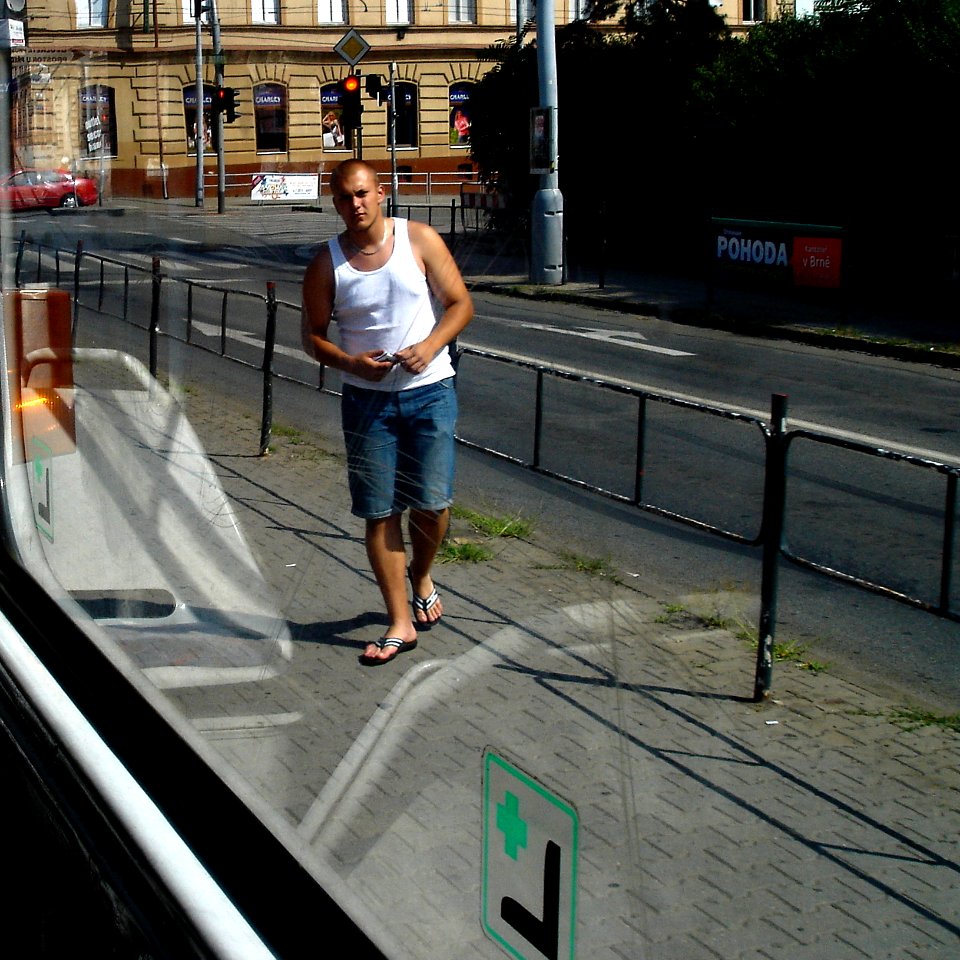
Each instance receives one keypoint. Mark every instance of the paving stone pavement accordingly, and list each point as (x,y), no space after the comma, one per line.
(809,826)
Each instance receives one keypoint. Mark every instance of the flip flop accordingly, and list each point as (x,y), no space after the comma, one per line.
(424,605)
(401,646)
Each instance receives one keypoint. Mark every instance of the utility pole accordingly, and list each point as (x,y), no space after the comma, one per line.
(546,261)
(392,122)
(218,114)
(198,123)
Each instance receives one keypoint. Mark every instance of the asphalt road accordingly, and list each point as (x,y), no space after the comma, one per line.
(874,518)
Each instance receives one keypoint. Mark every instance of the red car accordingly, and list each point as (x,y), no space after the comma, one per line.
(26,189)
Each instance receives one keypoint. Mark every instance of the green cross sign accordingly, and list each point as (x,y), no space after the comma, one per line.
(514,829)
(529,882)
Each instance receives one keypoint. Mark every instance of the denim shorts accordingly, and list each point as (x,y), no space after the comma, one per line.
(400,448)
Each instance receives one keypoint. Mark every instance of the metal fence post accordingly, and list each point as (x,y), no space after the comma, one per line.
(774,493)
(538,420)
(641,448)
(39,262)
(949,532)
(76,285)
(154,315)
(223,324)
(20,245)
(266,421)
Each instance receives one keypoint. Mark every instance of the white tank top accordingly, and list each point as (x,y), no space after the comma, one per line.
(386,309)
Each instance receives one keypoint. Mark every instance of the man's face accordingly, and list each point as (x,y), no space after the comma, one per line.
(357,199)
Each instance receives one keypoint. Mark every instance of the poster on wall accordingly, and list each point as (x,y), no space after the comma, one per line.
(460,115)
(288,187)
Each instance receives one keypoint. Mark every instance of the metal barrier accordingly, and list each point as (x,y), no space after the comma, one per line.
(777,441)
(430,208)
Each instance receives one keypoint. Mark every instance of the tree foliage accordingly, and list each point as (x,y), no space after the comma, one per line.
(846,118)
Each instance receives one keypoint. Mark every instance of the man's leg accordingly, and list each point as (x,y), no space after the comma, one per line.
(427,529)
(388,558)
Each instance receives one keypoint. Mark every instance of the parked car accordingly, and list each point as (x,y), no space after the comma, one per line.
(46,188)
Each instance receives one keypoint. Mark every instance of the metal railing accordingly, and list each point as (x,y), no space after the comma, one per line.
(90,274)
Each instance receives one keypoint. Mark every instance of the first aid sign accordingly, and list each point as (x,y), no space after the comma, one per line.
(529,884)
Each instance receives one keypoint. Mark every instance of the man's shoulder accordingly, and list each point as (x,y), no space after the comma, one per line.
(321,264)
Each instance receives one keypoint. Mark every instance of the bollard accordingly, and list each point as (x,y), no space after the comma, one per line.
(774,494)
(154,314)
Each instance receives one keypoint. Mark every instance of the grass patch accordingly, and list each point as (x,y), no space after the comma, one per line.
(795,653)
(291,434)
(491,526)
(912,718)
(462,551)
(593,566)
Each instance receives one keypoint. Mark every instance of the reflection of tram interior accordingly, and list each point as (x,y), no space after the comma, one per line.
(114,511)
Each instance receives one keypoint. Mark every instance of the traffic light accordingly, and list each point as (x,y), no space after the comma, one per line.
(350,105)
(201,9)
(374,86)
(225,102)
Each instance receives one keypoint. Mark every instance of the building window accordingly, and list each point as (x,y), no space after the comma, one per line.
(579,9)
(330,11)
(334,136)
(270,116)
(463,11)
(398,11)
(91,13)
(753,11)
(190,117)
(407,115)
(98,121)
(266,11)
(460,114)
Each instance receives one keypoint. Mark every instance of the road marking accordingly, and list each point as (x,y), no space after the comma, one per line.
(636,341)
(213,330)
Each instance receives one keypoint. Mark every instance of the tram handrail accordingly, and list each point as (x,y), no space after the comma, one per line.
(224,930)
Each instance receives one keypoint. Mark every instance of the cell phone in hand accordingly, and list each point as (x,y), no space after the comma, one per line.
(386,358)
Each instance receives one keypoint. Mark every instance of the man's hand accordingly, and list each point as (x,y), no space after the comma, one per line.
(416,358)
(368,367)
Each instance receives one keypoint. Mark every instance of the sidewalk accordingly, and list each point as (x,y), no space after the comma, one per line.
(811,826)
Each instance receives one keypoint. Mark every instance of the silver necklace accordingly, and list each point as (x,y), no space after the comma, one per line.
(376,249)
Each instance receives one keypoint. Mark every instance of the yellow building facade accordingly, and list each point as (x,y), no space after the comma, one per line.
(110,86)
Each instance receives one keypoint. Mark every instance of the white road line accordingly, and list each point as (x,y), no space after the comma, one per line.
(213,330)
(635,341)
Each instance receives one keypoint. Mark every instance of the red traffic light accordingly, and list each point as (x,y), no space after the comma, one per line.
(351,83)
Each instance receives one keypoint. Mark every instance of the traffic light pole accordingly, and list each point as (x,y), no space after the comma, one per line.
(198,121)
(218,115)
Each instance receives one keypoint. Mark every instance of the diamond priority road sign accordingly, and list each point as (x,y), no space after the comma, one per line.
(351,47)
(529,879)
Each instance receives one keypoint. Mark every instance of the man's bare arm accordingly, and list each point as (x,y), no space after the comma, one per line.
(448,287)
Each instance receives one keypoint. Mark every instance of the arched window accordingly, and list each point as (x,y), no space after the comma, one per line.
(98,121)
(460,118)
(270,117)
(407,115)
(334,136)
(190,117)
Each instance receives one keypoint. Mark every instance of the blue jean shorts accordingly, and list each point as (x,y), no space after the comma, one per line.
(400,448)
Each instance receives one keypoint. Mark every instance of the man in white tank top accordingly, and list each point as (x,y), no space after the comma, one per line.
(399,406)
